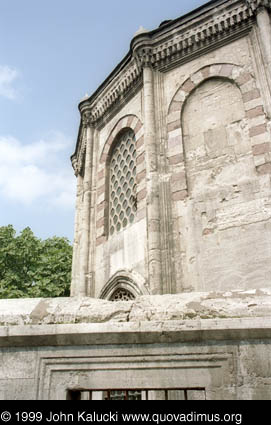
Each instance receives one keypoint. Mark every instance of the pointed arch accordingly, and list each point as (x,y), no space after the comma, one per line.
(129,281)
(128,122)
(250,96)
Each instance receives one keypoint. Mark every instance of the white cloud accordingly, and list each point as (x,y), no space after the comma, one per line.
(7,77)
(38,173)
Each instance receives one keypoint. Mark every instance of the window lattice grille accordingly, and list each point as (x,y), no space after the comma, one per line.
(122,205)
(122,395)
(122,294)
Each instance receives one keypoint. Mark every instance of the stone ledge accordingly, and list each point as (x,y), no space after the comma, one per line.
(185,306)
(187,317)
(156,332)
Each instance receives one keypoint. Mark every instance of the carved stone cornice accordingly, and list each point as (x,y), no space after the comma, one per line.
(144,57)
(190,37)
(256,5)
(142,49)
(165,47)
(114,92)
(87,119)
(175,42)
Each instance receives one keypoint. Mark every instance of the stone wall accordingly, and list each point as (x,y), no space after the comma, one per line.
(221,197)
(196,92)
(219,342)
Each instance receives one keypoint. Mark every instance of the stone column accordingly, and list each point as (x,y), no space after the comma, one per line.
(153,207)
(75,257)
(92,228)
(264,27)
(81,289)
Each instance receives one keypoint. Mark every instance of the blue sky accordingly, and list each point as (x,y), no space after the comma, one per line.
(53,52)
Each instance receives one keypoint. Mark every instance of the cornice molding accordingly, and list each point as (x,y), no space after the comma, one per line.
(183,42)
(142,49)
(159,48)
(166,47)
(113,92)
(87,119)
(256,5)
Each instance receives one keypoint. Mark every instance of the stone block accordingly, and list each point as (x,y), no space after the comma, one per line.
(264,169)
(251,95)
(175,159)
(173,125)
(258,129)
(261,148)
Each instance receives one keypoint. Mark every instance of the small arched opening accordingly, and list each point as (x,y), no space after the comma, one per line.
(124,286)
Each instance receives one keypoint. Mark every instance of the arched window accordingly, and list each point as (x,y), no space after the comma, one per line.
(122,182)
(124,286)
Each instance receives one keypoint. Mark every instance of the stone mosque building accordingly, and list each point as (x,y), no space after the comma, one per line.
(173,224)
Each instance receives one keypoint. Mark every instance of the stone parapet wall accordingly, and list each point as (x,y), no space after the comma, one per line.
(219,342)
(155,308)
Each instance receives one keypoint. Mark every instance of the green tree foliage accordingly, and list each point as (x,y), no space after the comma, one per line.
(31,267)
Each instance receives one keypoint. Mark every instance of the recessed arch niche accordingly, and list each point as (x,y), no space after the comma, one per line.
(217,148)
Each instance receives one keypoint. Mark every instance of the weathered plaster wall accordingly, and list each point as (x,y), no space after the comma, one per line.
(217,341)
(220,189)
